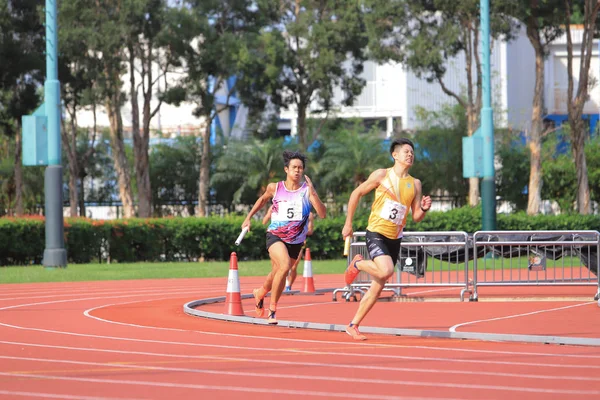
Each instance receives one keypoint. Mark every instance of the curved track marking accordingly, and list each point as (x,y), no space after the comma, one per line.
(269,390)
(307,305)
(297,351)
(313,378)
(141,292)
(455,380)
(297,363)
(240,335)
(453,328)
(365,344)
(59,396)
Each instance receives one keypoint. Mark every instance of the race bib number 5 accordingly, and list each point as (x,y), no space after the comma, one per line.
(288,211)
(393,211)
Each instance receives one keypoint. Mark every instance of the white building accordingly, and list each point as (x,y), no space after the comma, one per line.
(556,82)
(392,94)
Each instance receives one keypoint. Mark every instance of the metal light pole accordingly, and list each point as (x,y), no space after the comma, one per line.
(55,254)
(488,185)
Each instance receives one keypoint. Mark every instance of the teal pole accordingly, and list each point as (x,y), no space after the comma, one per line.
(55,254)
(488,185)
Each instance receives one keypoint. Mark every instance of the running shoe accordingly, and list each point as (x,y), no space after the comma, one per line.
(355,333)
(352,271)
(260,310)
(271,319)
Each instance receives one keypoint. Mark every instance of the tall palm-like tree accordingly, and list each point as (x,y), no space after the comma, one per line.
(350,157)
(249,166)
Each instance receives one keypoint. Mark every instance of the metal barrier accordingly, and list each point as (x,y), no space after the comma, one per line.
(427,259)
(535,258)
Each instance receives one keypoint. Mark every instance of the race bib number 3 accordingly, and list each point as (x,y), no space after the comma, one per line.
(393,211)
(288,211)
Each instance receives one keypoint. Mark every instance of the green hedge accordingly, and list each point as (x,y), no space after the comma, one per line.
(190,239)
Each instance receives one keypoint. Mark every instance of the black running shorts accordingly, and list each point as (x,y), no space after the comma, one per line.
(379,245)
(293,249)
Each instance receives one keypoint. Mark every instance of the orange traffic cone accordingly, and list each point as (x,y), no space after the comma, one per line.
(309,284)
(233,302)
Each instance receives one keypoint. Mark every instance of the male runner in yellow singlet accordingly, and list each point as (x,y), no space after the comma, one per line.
(395,193)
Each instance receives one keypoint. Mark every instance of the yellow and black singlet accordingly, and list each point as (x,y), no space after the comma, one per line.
(393,199)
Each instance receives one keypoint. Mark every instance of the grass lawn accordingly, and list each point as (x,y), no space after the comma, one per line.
(104,272)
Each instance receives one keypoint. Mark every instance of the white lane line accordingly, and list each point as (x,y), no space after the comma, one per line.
(453,328)
(307,305)
(432,291)
(294,376)
(273,338)
(298,351)
(93,298)
(301,363)
(59,396)
(269,390)
(8,295)
(87,293)
(453,349)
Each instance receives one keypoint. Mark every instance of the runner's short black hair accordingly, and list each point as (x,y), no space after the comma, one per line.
(401,142)
(291,155)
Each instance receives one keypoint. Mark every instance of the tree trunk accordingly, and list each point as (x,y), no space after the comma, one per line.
(70,142)
(87,159)
(474,95)
(143,159)
(578,146)
(119,156)
(204,182)
(473,124)
(73,192)
(81,197)
(141,162)
(140,139)
(302,126)
(576,103)
(18,173)
(535,138)
(142,170)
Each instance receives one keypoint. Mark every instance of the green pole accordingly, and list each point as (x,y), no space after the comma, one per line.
(488,185)
(55,254)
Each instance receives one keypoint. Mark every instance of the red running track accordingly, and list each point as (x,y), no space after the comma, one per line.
(131,340)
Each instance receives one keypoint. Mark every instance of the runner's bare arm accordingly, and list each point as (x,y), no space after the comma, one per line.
(267,216)
(311,224)
(262,200)
(315,200)
(421,204)
(364,188)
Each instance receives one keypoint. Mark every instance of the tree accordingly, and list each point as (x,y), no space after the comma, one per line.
(78,73)
(148,56)
(210,41)
(321,47)
(425,35)
(576,102)
(438,146)
(543,21)
(512,179)
(349,157)
(174,173)
(559,175)
(102,27)
(246,168)
(22,41)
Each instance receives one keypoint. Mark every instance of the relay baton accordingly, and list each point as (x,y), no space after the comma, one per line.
(241,237)
(347,246)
